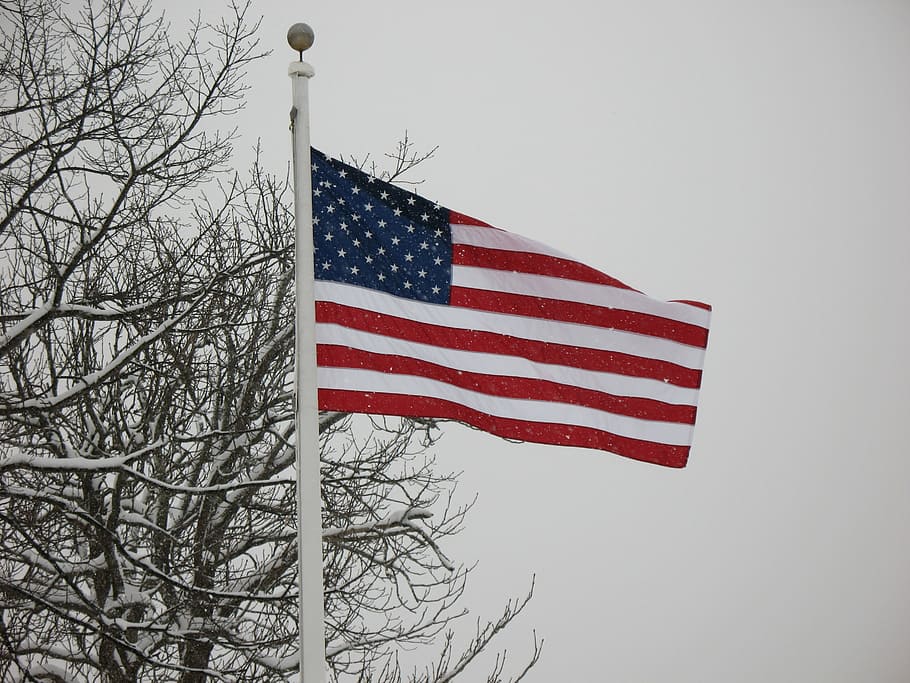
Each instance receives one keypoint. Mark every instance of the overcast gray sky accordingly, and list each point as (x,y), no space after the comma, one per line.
(751,154)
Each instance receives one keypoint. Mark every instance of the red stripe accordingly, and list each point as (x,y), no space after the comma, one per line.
(329,355)
(502,344)
(573,312)
(536,264)
(697,304)
(463,219)
(537,432)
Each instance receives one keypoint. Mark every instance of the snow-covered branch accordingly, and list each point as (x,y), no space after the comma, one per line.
(147,449)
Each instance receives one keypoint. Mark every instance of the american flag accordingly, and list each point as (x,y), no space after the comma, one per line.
(425,312)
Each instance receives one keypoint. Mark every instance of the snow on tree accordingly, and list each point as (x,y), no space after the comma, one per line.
(147,505)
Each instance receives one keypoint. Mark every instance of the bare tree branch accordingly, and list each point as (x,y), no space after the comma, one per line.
(147,489)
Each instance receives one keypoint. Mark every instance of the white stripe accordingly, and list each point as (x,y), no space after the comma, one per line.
(494,238)
(357,379)
(564,289)
(506,366)
(554,332)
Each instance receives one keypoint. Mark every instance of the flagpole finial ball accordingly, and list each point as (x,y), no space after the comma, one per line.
(301,37)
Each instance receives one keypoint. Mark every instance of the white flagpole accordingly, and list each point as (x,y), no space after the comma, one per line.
(311,610)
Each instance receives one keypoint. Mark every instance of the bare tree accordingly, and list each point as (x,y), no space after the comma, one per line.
(147,508)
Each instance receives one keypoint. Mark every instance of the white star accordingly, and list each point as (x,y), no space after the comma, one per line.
(397,212)
(437,261)
(435,290)
(356,243)
(326,265)
(355,216)
(368,234)
(380,277)
(354,270)
(381,251)
(368,207)
(330,209)
(317,192)
(424,245)
(355,190)
(407,285)
(438,233)
(411,201)
(409,257)
(383,195)
(424,217)
(341,201)
(328,237)
(411,229)
(422,272)
(394,268)
(368,259)
(342,253)
(381,224)
(343,173)
(395,241)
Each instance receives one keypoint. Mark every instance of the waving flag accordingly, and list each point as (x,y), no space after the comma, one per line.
(425,312)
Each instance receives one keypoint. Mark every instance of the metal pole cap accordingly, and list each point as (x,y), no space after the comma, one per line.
(301,37)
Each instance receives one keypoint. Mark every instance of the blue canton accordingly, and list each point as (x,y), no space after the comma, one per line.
(373,234)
